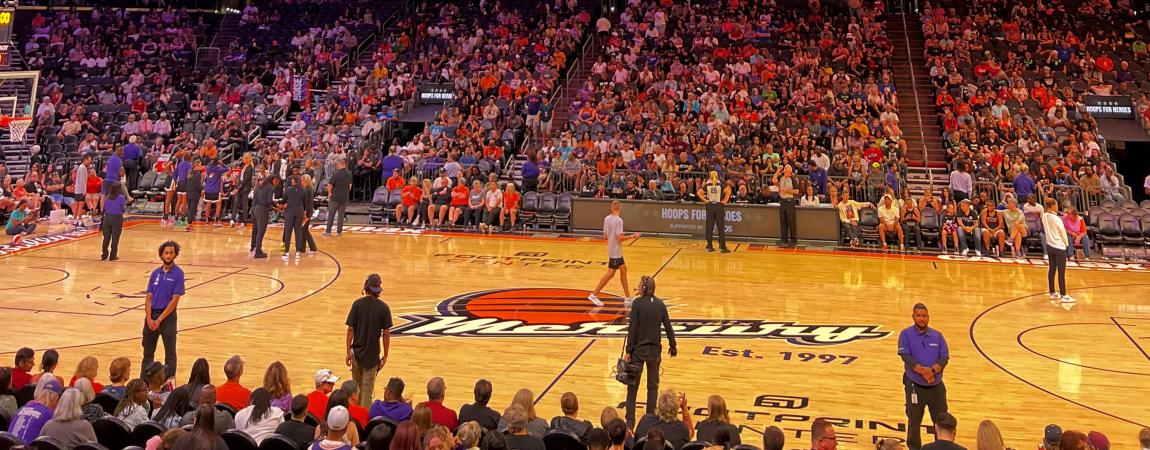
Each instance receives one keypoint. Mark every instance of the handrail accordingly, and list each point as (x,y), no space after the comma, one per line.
(917,106)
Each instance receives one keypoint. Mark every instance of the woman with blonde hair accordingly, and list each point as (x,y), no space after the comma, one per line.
(68,425)
(717,418)
(278,385)
(87,368)
(118,373)
(989,438)
(92,411)
(672,416)
(525,399)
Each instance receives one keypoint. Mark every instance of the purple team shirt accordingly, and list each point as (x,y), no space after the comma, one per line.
(925,348)
(28,421)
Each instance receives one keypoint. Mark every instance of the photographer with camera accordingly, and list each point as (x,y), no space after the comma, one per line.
(644,345)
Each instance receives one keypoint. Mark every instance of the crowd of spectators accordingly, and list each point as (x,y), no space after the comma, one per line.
(334,415)
(503,59)
(1009,90)
(682,89)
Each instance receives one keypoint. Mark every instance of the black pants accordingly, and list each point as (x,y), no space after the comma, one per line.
(787,224)
(131,173)
(335,213)
(293,220)
(918,398)
(1057,265)
(194,205)
(240,205)
(306,241)
(167,331)
(910,228)
(476,215)
(260,228)
(716,217)
(111,225)
(530,184)
(649,356)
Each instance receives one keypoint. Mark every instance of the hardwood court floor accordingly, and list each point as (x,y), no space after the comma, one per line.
(1016,359)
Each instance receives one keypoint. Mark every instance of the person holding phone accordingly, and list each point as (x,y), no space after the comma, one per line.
(21,222)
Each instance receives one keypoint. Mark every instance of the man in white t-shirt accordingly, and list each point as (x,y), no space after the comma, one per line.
(613,232)
(888,221)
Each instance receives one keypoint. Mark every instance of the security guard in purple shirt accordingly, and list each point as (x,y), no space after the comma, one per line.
(165,287)
(924,355)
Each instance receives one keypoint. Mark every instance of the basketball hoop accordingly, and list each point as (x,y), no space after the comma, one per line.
(17,127)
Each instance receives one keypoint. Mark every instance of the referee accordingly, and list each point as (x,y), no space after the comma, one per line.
(644,345)
(715,196)
(924,355)
(785,180)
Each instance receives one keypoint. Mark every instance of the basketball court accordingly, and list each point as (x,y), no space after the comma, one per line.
(786,336)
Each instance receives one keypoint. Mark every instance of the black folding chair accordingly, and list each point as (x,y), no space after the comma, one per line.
(238,440)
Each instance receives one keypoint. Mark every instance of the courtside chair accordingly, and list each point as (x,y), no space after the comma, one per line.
(90,446)
(9,441)
(562,216)
(545,213)
(112,432)
(107,402)
(145,431)
(528,208)
(280,442)
(562,440)
(46,443)
(238,440)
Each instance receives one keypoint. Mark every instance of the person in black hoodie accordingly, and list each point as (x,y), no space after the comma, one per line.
(644,343)
(479,411)
(570,421)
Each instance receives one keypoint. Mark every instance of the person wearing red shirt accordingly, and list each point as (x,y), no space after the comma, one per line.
(317,399)
(25,361)
(87,368)
(358,413)
(409,201)
(440,415)
(510,205)
(459,197)
(232,393)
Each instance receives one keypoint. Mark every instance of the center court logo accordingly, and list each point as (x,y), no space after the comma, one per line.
(558,312)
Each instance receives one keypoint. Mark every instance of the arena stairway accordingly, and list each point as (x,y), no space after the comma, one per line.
(917,118)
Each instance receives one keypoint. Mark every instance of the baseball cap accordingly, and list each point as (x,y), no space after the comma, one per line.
(337,418)
(1098,441)
(54,385)
(1053,434)
(373,284)
(325,376)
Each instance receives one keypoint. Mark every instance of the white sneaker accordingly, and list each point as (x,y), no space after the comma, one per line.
(1054,296)
(285,257)
(595,300)
(966,252)
(1068,299)
(978,252)
(311,253)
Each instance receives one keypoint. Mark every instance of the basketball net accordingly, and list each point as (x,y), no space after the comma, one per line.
(17,127)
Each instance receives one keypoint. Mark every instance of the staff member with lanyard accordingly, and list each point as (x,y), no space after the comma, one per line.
(113,222)
(261,214)
(644,345)
(785,180)
(924,355)
(165,288)
(715,196)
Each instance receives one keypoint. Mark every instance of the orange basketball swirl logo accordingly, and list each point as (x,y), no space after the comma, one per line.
(560,312)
